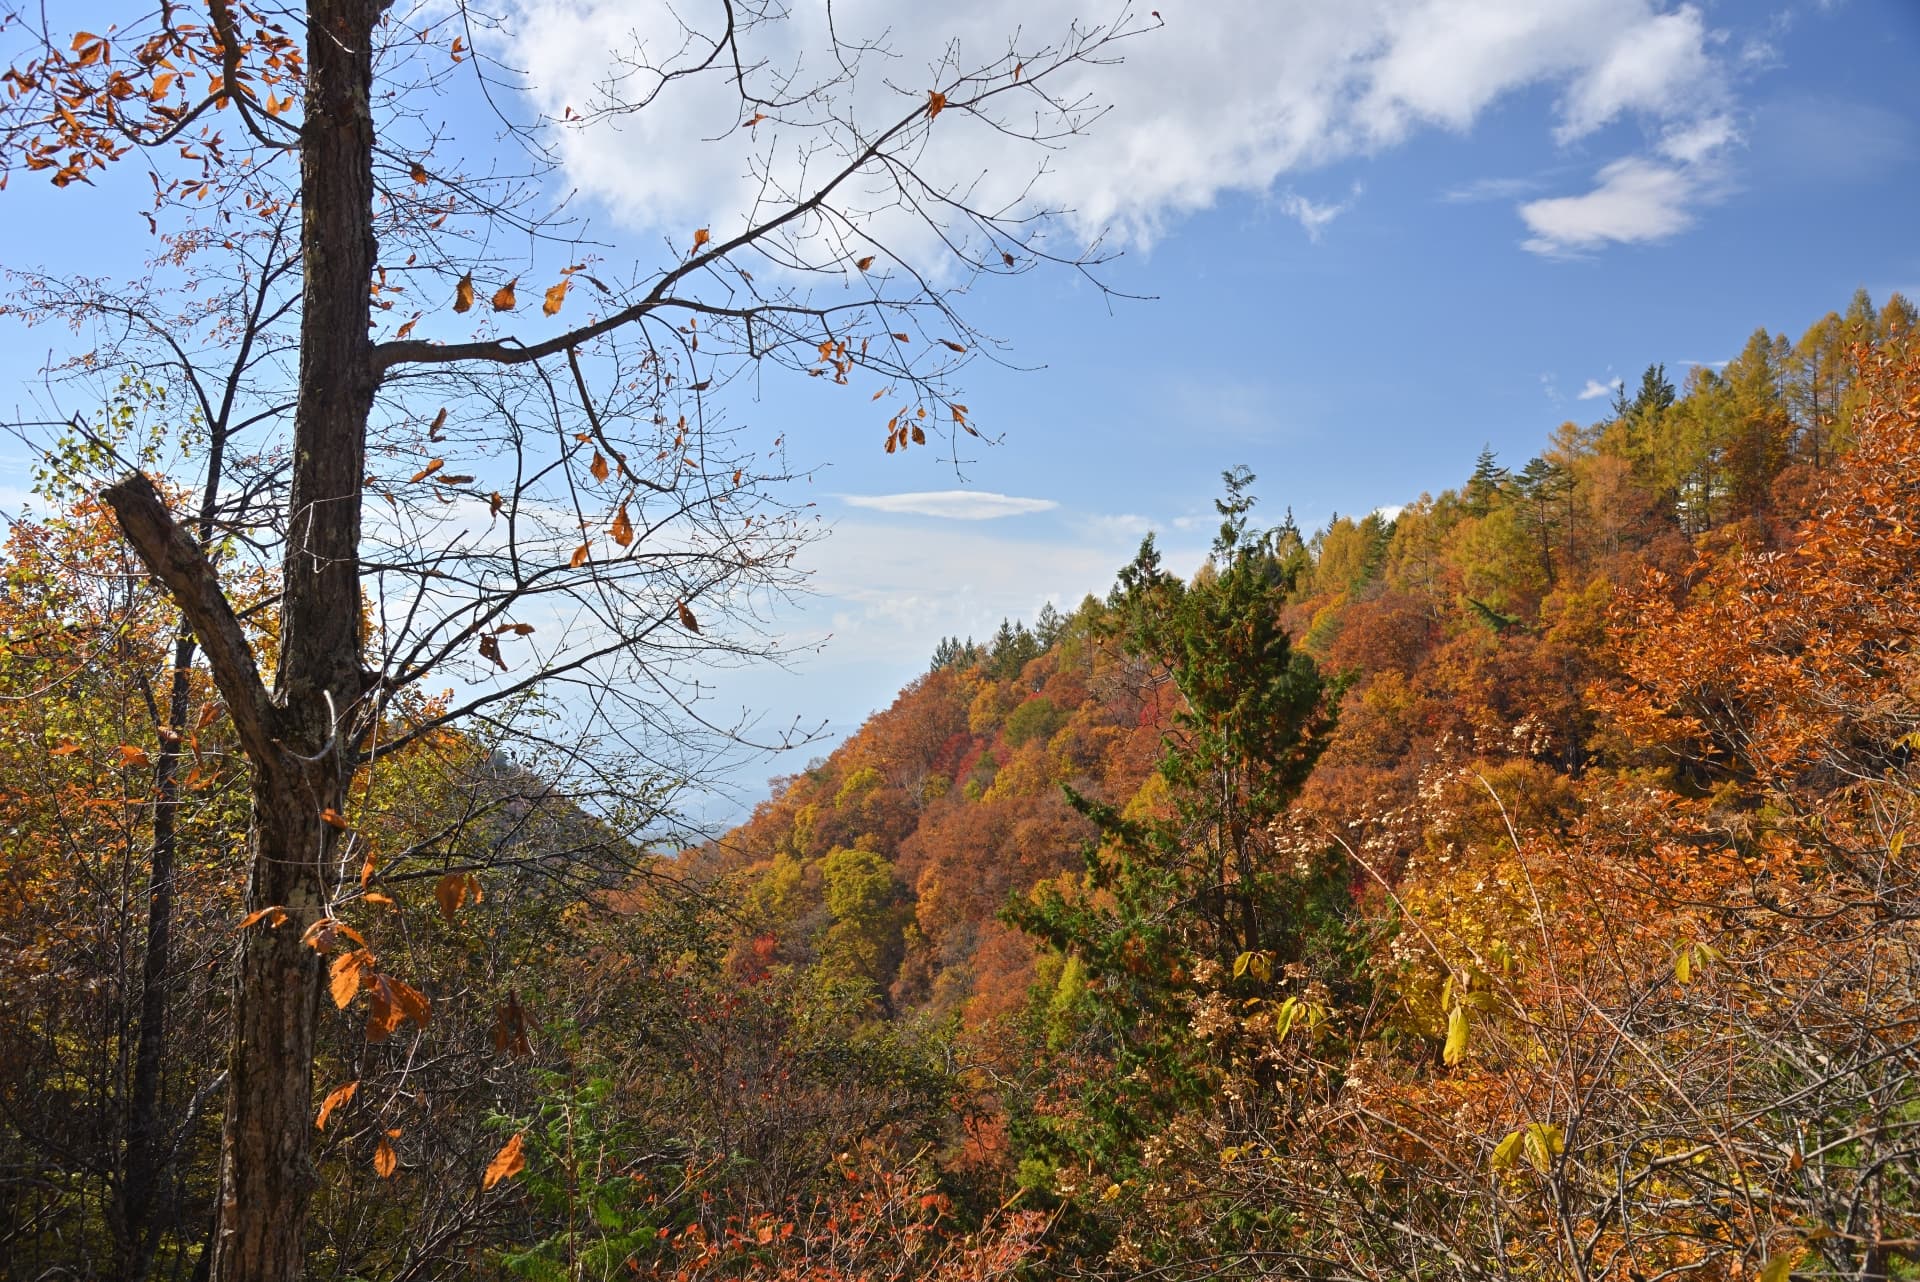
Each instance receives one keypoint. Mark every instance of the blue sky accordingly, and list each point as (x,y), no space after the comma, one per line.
(1377,235)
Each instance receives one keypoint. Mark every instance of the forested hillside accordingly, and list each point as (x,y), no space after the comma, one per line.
(1511,884)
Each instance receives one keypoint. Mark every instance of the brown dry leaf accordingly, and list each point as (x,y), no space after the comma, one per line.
(687,620)
(506,1164)
(345,975)
(463,293)
(936,103)
(864,263)
(598,467)
(436,428)
(335,1098)
(622,529)
(949,343)
(490,649)
(384,1159)
(503,300)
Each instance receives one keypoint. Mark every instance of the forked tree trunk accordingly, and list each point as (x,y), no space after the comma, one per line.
(294,738)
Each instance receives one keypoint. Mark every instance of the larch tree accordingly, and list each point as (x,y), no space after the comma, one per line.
(557,498)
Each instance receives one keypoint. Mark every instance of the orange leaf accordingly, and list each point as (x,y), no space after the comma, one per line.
(556,295)
(503,300)
(864,263)
(333,819)
(506,1164)
(345,975)
(439,422)
(277,913)
(335,1098)
(418,172)
(598,467)
(463,293)
(375,897)
(433,465)
(384,1159)
(687,620)
(66,749)
(134,756)
(622,528)
(209,713)
(936,103)
(452,890)
(902,338)
(495,503)
(579,557)
(953,345)
(701,237)
(919,437)
(407,328)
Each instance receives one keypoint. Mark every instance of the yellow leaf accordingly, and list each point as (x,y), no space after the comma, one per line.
(1544,1141)
(1286,1017)
(335,1098)
(507,1163)
(1456,1047)
(556,295)
(384,1159)
(1507,1151)
(1779,1266)
(503,300)
(936,103)
(463,293)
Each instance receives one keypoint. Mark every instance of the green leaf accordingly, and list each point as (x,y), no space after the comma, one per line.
(1779,1266)
(1285,1018)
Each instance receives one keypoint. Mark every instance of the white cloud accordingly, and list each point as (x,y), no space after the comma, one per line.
(1632,201)
(1228,96)
(1313,217)
(1596,389)
(1658,67)
(957,505)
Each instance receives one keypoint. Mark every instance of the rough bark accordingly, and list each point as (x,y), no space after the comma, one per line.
(293,739)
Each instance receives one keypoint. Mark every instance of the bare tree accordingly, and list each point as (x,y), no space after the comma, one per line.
(554,500)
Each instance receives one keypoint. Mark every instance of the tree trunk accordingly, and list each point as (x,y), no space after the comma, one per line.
(138,1217)
(266,1172)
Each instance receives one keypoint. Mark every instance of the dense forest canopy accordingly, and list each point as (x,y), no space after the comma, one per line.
(1511,886)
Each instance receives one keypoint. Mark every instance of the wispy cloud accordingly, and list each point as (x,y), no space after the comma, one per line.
(1595,389)
(955,505)
(1315,217)
(1485,189)
(1633,201)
